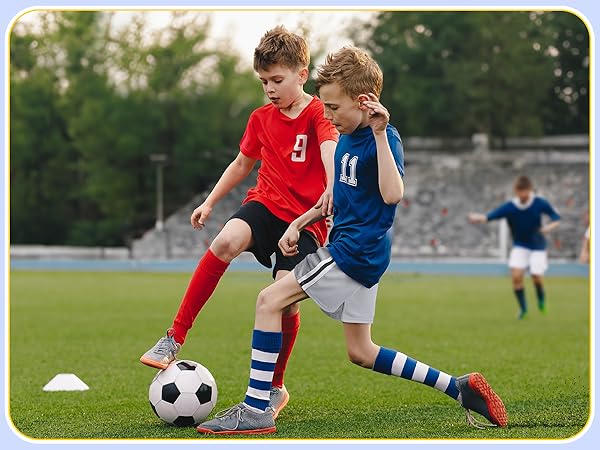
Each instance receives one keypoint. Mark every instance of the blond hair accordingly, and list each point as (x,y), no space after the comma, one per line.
(279,46)
(353,69)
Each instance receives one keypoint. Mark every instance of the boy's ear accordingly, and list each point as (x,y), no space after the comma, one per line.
(362,98)
(303,74)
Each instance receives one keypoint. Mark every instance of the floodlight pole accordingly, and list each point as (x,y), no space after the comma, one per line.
(159,159)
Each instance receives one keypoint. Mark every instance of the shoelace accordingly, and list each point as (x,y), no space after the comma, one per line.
(165,345)
(472,421)
(228,412)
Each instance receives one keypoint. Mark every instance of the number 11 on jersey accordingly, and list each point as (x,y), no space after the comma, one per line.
(349,163)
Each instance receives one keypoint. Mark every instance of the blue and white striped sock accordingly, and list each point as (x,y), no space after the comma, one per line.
(391,362)
(265,350)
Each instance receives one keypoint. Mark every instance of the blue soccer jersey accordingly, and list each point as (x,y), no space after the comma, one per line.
(525,221)
(360,240)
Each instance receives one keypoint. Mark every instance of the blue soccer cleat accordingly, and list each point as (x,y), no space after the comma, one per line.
(477,395)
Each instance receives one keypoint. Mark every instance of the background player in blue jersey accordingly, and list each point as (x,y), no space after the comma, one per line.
(524,216)
(342,278)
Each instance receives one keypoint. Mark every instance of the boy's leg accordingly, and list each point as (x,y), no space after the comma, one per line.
(538,282)
(517,276)
(363,352)
(518,261)
(538,265)
(254,415)
(472,391)
(290,323)
(290,320)
(234,238)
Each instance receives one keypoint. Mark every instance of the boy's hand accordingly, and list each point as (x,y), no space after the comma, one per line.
(379,116)
(289,241)
(477,218)
(200,216)
(326,202)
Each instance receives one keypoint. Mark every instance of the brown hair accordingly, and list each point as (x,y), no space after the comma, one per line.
(279,46)
(523,183)
(353,69)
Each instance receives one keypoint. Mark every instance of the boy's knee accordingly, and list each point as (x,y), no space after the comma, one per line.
(517,281)
(226,247)
(264,303)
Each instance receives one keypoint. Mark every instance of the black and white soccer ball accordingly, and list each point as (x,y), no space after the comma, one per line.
(183,394)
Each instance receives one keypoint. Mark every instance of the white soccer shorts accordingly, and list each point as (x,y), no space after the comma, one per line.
(523,258)
(338,295)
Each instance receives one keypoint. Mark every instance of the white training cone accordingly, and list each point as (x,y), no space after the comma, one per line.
(66,382)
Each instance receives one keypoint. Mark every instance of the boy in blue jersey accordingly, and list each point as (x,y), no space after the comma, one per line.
(342,278)
(524,216)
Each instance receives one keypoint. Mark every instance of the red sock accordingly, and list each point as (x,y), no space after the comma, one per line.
(289,328)
(209,271)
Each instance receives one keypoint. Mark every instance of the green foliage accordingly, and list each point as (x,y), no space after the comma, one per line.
(90,102)
(96,325)
(501,73)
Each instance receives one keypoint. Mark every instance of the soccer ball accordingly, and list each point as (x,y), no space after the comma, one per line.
(183,394)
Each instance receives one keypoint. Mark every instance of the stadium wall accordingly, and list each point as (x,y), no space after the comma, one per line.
(445,180)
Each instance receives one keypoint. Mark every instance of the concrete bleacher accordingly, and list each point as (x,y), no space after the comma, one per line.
(441,190)
(444,182)
(178,239)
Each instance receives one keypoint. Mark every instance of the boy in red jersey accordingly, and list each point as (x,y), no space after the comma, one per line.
(295,144)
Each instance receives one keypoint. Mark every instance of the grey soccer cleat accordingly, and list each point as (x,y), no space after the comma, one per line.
(239,419)
(163,353)
(477,395)
(279,398)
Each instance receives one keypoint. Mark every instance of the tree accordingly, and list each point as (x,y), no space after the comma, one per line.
(458,73)
(566,109)
(90,102)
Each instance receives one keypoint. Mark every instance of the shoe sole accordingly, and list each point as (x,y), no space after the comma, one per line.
(493,402)
(285,401)
(257,431)
(151,363)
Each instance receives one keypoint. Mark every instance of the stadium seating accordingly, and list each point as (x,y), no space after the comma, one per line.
(442,187)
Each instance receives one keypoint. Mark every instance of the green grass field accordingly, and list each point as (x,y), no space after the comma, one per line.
(97,325)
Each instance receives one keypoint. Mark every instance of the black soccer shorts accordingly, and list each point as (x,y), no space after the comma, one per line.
(267,229)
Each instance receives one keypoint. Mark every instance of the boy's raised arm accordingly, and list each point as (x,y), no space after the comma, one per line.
(391,185)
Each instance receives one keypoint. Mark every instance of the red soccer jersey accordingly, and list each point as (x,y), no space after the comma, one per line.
(291,177)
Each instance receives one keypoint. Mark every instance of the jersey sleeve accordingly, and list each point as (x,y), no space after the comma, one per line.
(397,149)
(500,212)
(549,210)
(323,127)
(250,145)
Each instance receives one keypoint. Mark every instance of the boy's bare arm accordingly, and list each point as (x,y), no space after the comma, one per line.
(237,170)
(391,185)
(477,218)
(289,241)
(549,227)
(327,153)
(584,253)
